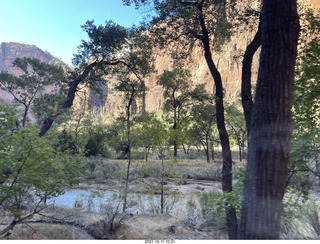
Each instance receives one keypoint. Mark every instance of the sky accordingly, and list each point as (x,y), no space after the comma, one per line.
(55,25)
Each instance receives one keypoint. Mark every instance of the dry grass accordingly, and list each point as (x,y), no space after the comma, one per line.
(196,175)
(47,232)
(151,227)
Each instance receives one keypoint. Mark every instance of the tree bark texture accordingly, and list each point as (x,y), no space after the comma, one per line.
(271,125)
(223,134)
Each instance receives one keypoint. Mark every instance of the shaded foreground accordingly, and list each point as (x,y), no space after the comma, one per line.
(193,208)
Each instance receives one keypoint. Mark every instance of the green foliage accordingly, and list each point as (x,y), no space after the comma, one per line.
(28,86)
(305,162)
(45,105)
(150,133)
(301,217)
(117,137)
(7,121)
(85,134)
(212,209)
(203,118)
(150,169)
(179,96)
(33,170)
(97,143)
(236,126)
(104,41)
(307,84)
(182,23)
(66,143)
(115,49)
(213,203)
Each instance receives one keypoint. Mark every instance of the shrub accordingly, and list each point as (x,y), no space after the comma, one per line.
(35,172)
(212,209)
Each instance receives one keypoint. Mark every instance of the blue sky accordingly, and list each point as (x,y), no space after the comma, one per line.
(54,25)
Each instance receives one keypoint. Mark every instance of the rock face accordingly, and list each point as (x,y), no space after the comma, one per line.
(9,51)
(228,61)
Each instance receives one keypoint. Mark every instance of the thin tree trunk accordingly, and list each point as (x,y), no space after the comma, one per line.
(271,125)
(144,99)
(207,149)
(240,152)
(246,88)
(162,183)
(25,114)
(175,145)
(129,148)
(224,137)
(212,149)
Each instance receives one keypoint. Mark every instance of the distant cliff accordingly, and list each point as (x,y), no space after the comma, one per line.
(9,51)
(228,61)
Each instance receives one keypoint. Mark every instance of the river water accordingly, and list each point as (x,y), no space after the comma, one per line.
(100,201)
(81,198)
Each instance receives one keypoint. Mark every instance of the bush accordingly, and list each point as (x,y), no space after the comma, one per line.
(212,209)
(35,172)
(301,220)
(66,143)
(99,167)
(147,169)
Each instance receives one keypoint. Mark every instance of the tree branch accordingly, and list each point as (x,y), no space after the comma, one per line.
(46,125)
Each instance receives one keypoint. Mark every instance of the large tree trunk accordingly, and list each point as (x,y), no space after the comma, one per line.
(271,125)
(224,137)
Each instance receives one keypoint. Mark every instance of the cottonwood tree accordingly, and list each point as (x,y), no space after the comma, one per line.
(237,127)
(177,88)
(109,49)
(203,121)
(271,124)
(205,23)
(35,77)
(146,131)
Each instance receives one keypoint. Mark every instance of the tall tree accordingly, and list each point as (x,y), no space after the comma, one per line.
(203,115)
(177,88)
(236,126)
(205,22)
(271,125)
(110,48)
